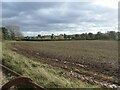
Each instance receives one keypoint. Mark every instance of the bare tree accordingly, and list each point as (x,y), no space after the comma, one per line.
(14,31)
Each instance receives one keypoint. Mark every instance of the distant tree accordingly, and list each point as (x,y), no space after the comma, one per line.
(14,31)
(73,37)
(39,36)
(69,37)
(105,36)
(65,36)
(112,34)
(83,36)
(77,36)
(52,36)
(18,33)
(118,35)
(5,33)
(27,37)
(90,36)
(98,36)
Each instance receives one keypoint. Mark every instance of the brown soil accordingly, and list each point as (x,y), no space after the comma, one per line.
(57,62)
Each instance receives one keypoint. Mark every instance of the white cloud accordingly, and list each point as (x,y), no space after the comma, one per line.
(107,3)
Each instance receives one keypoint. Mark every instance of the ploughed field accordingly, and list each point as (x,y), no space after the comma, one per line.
(93,58)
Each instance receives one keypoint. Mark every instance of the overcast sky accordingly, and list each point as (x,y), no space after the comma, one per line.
(61,17)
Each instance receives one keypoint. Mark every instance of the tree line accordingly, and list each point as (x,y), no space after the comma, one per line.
(13,32)
(109,35)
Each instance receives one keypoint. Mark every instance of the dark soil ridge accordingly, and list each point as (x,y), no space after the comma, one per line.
(60,63)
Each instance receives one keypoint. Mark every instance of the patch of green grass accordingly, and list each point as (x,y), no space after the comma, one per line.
(43,74)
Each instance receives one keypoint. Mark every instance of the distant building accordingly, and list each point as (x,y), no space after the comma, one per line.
(46,37)
(61,36)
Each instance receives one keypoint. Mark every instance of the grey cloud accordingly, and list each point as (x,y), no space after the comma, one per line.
(56,16)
